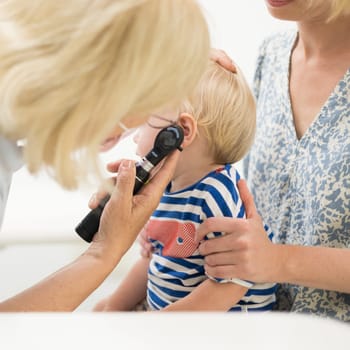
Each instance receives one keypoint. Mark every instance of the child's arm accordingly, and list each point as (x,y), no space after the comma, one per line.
(130,292)
(210,296)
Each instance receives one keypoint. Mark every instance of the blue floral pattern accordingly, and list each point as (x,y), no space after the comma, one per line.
(301,187)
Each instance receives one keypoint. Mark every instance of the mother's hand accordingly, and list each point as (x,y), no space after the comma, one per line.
(125,214)
(221,57)
(245,251)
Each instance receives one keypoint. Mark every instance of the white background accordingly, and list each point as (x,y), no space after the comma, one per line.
(38,235)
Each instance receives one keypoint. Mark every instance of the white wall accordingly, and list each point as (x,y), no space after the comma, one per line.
(39,211)
(238,27)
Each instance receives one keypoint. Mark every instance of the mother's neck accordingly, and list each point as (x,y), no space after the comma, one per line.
(317,38)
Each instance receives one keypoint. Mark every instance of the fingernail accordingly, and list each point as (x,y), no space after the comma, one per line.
(126,164)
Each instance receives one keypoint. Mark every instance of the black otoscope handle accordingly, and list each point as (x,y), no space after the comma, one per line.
(90,224)
(91,221)
(167,140)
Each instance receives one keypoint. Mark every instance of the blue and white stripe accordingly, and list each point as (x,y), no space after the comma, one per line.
(172,278)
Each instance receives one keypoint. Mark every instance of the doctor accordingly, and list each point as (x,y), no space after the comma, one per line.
(70,71)
(298,169)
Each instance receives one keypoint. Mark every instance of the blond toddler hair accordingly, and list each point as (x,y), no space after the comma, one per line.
(224,107)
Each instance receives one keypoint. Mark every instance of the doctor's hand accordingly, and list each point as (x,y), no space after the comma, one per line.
(125,214)
(245,250)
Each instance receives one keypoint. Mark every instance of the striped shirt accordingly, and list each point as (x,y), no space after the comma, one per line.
(176,267)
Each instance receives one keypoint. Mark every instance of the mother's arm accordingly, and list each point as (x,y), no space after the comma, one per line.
(245,252)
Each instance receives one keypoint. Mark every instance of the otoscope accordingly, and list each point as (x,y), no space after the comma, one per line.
(168,140)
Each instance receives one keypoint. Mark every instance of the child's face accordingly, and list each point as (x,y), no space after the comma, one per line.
(146,134)
(123,129)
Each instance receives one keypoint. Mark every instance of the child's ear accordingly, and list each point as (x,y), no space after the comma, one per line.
(189,126)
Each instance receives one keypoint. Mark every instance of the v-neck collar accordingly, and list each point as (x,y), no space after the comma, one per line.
(321,118)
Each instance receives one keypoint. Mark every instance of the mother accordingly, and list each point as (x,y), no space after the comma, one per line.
(299,167)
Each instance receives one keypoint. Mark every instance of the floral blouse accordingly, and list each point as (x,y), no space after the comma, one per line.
(301,186)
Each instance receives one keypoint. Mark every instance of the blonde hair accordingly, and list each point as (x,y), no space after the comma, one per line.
(224,108)
(71,70)
(337,8)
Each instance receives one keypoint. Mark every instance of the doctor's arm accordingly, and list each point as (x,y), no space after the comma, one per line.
(67,288)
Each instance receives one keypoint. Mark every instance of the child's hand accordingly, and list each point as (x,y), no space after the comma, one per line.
(146,246)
